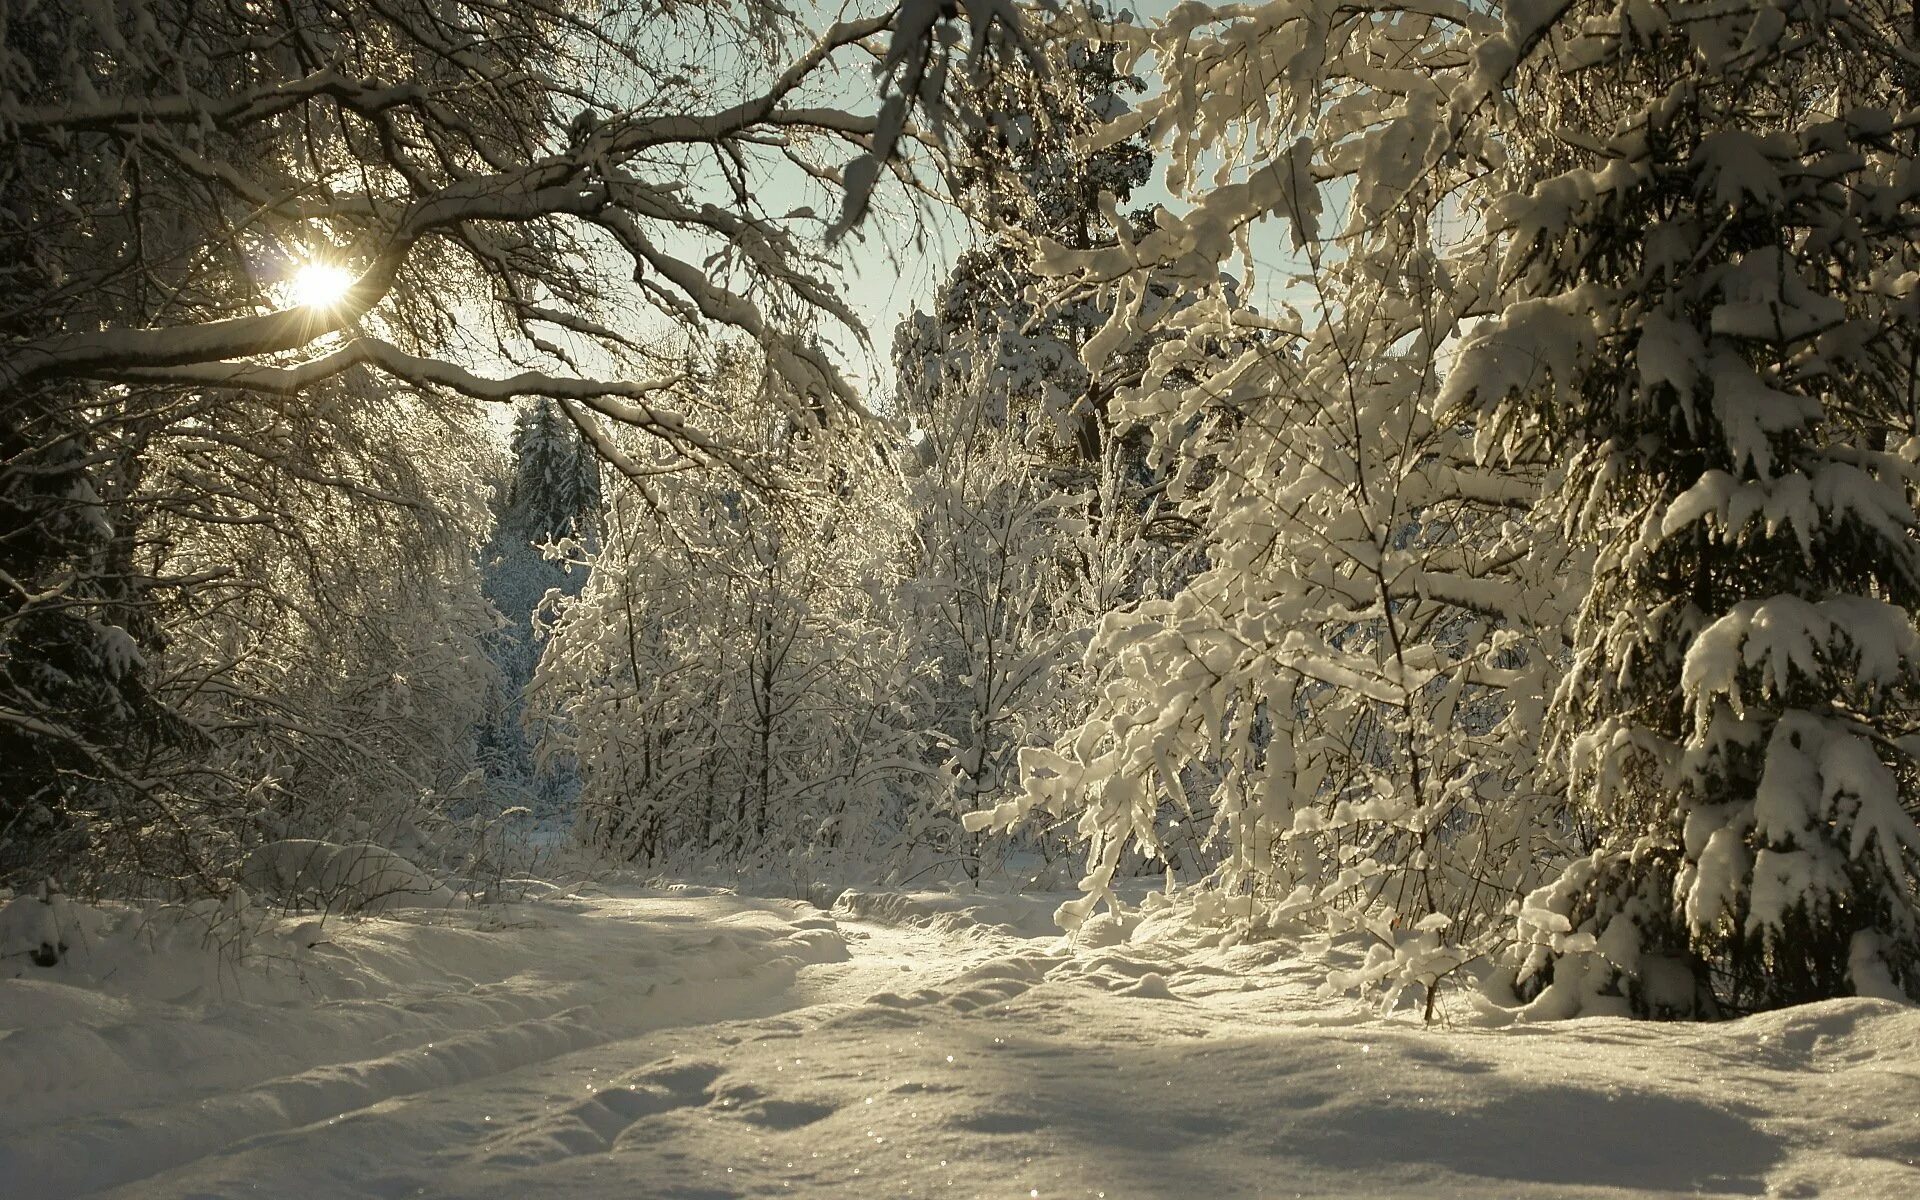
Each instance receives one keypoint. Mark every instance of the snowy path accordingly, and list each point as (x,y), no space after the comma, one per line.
(707,1046)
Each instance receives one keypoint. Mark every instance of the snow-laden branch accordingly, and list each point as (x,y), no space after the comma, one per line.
(422,184)
(631,402)
(199,109)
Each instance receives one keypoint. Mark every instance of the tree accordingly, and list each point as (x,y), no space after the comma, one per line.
(1700,308)
(79,720)
(1690,394)
(733,678)
(992,625)
(548,513)
(1038,514)
(996,330)
(226,226)
(1342,699)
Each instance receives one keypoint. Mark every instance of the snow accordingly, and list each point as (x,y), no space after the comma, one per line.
(692,1042)
(1787,636)
(360,877)
(168,1038)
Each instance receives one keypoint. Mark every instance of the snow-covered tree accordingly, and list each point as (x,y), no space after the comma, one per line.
(81,728)
(1343,700)
(995,331)
(1684,425)
(991,625)
(1037,514)
(732,679)
(224,225)
(1707,306)
(551,502)
(330,646)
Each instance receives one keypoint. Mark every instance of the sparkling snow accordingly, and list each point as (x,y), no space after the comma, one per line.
(692,1043)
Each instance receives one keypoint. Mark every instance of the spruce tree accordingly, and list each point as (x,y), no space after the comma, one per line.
(80,724)
(1709,310)
(546,520)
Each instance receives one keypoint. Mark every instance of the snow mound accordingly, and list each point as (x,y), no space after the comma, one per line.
(967,912)
(359,877)
(40,930)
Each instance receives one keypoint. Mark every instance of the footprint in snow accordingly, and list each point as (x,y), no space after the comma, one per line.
(991,1122)
(993,992)
(755,1107)
(917,999)
(593,1125)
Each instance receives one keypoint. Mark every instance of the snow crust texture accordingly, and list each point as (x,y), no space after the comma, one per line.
(693,1043)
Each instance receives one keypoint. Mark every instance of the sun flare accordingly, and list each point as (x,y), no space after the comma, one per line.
(320,285)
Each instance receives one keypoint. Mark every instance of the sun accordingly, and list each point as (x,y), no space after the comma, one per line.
(320,285)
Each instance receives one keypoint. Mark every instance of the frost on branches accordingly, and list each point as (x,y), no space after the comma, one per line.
(1593,415)
(731,679)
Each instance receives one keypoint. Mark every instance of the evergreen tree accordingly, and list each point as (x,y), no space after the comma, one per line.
(1709,311)
(88,752)
(546,523)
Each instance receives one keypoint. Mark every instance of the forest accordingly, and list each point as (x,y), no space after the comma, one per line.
(1381,523)
(1431,480)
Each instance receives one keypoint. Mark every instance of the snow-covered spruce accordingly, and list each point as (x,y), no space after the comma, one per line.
(1706,303)
(545,517)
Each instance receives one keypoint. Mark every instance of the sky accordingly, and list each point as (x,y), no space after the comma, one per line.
(895,263)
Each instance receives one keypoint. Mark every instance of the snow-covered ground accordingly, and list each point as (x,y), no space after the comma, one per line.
(693,1044)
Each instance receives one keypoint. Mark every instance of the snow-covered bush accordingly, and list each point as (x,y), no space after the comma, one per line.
(38,929)
(1345,698)
(361,877)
